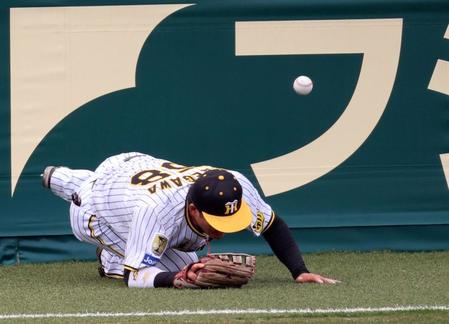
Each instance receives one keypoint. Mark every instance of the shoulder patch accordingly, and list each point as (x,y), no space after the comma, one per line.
(258,225)
(159,244)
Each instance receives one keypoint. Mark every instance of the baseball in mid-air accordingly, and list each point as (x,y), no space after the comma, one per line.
(303,85)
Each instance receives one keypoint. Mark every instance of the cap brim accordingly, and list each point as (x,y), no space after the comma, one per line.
(230,224)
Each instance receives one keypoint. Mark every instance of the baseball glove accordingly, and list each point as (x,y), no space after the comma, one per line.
(221,270)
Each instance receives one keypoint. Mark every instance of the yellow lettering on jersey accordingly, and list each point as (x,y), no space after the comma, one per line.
(162,180)
(177,181)
(189,179)
(178,167)
(165,185)
(197,175)
(148,176)
(152,189)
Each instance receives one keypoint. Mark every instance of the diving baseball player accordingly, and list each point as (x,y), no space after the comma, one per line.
(148,216)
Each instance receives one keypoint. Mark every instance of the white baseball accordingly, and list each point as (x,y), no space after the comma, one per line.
(303,85)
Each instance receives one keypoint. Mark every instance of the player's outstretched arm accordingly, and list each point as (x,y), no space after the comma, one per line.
(222,270)
(281,241)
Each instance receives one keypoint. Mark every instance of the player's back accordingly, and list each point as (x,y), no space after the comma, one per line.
(131,180)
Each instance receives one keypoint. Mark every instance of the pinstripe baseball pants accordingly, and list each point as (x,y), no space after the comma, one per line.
(75,186)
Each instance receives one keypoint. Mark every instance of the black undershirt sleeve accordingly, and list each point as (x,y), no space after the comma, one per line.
(164,279)
(281,241)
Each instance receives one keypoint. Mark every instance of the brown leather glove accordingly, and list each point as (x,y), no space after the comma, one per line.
(218,270)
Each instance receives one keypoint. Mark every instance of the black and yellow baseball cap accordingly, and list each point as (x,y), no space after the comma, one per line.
(218,195)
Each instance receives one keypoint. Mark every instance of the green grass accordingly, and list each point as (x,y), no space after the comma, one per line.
(379,279)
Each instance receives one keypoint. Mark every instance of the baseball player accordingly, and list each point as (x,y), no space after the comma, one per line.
(148,216)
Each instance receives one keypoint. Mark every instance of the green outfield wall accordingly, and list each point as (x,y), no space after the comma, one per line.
(361,163)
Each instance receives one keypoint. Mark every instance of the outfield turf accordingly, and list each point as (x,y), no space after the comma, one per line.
(379,279)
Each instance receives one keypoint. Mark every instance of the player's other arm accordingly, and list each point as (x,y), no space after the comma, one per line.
(283,245)
(152,277)
(143,277)
(146,244)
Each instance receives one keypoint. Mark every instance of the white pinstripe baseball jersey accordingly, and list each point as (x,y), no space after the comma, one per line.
(143,200)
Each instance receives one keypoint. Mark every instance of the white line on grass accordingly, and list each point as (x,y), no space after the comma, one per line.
(235,311)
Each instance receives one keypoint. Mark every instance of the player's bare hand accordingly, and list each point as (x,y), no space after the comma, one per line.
(192,274)
(315,278)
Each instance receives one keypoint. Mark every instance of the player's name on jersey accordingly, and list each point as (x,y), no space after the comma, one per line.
(168,176)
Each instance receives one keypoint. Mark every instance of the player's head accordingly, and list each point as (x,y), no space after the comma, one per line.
(217,194)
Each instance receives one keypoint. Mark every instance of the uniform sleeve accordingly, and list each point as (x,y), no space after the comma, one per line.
(147,239)
(263,215)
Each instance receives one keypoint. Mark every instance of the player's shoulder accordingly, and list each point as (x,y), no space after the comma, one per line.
(243,180)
